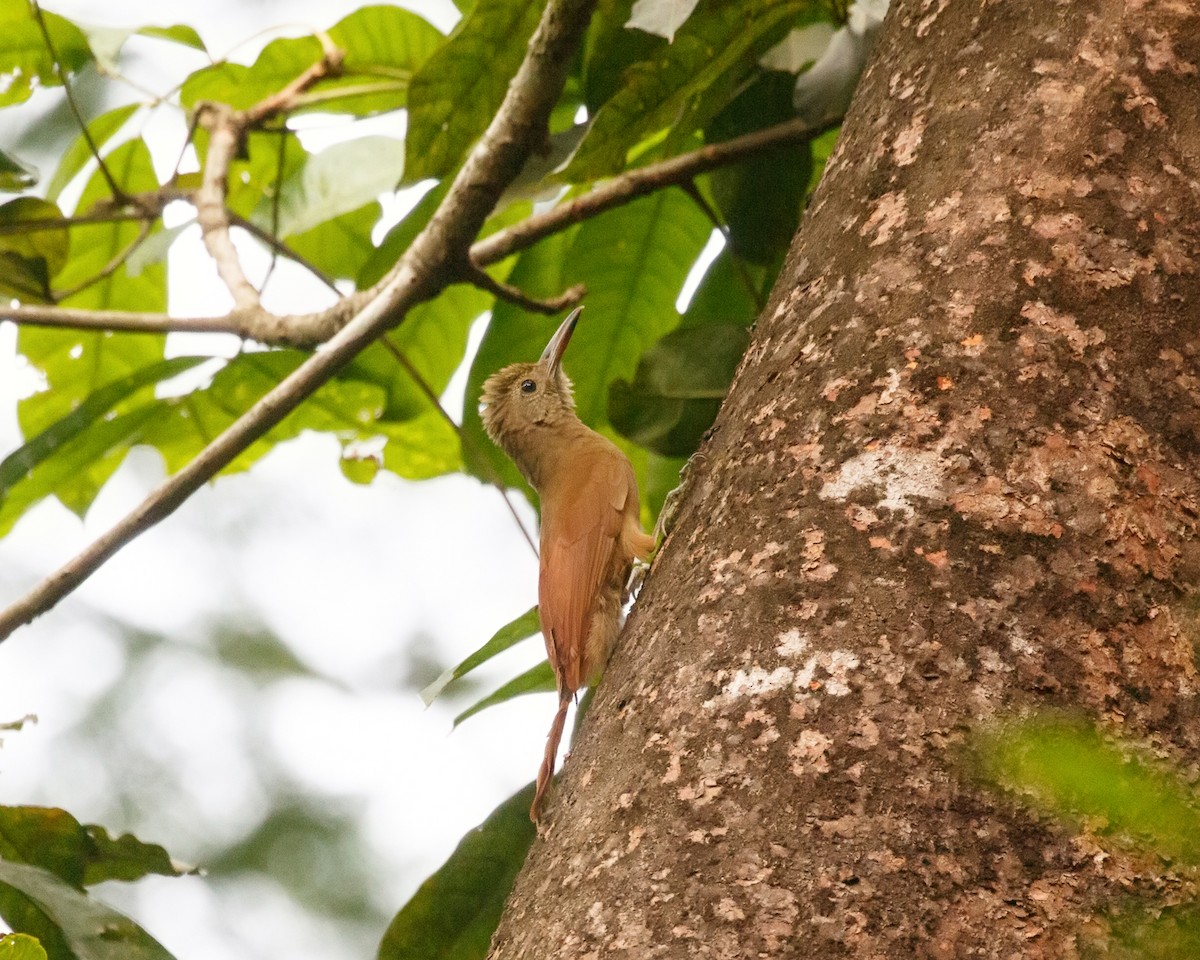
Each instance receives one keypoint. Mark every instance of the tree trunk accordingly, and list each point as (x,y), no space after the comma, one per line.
(955,478)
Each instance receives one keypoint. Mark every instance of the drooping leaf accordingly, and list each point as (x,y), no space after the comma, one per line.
(25,62)
(454,913)
(678,388)
(661,17)
(761,221)
(80,855)
(101,130)
(29,260)
(383,46)
(719,43)
(69,924)
(61,450)
(77,363)
(457,91)
(538,679)
(15,175)
(21,946)
(512,633)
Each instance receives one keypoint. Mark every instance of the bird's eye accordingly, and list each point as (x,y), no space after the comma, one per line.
(528,386)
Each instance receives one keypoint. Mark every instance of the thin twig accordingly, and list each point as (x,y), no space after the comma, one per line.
(109,268)
(279,247)
(276,196)
(425,269)
(38,15)
(477,276)
(493,478)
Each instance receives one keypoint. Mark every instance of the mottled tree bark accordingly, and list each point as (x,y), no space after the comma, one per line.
(956,478)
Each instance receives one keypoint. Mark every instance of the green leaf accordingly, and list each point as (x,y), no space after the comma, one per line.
(634,261)
(678,388)
(15,175)
(96,245)
(25,63)
(539,679)
(29,260)
(727,293)
(338,180)
(420,448)
(512,633)
(21,946)
(714,48)
(181,426)
(1066,768)
(69,924)
(78,363)
(454,913)
(340,247)
(1150,932)
(608,49)
(53,840)
(67,447)
(761,221)
(101,130)
(456,93)
(383,45)
(433,339)
(179,33)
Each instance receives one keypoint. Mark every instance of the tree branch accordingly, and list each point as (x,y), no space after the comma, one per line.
(478,277)
(425,269)
(311,330)
(225,135)
(227,131)
(637,183)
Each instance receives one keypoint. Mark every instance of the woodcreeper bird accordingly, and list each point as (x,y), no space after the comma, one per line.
(591,533)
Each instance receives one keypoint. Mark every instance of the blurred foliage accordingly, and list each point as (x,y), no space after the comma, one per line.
(1115,791)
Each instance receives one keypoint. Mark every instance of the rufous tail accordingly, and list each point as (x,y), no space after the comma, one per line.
(546,771)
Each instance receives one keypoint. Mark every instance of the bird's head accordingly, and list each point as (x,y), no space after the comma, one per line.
(524,397)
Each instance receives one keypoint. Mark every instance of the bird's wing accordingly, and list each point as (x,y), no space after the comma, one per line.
(580,529)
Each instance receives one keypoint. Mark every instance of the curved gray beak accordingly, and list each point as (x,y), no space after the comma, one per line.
(553,354)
